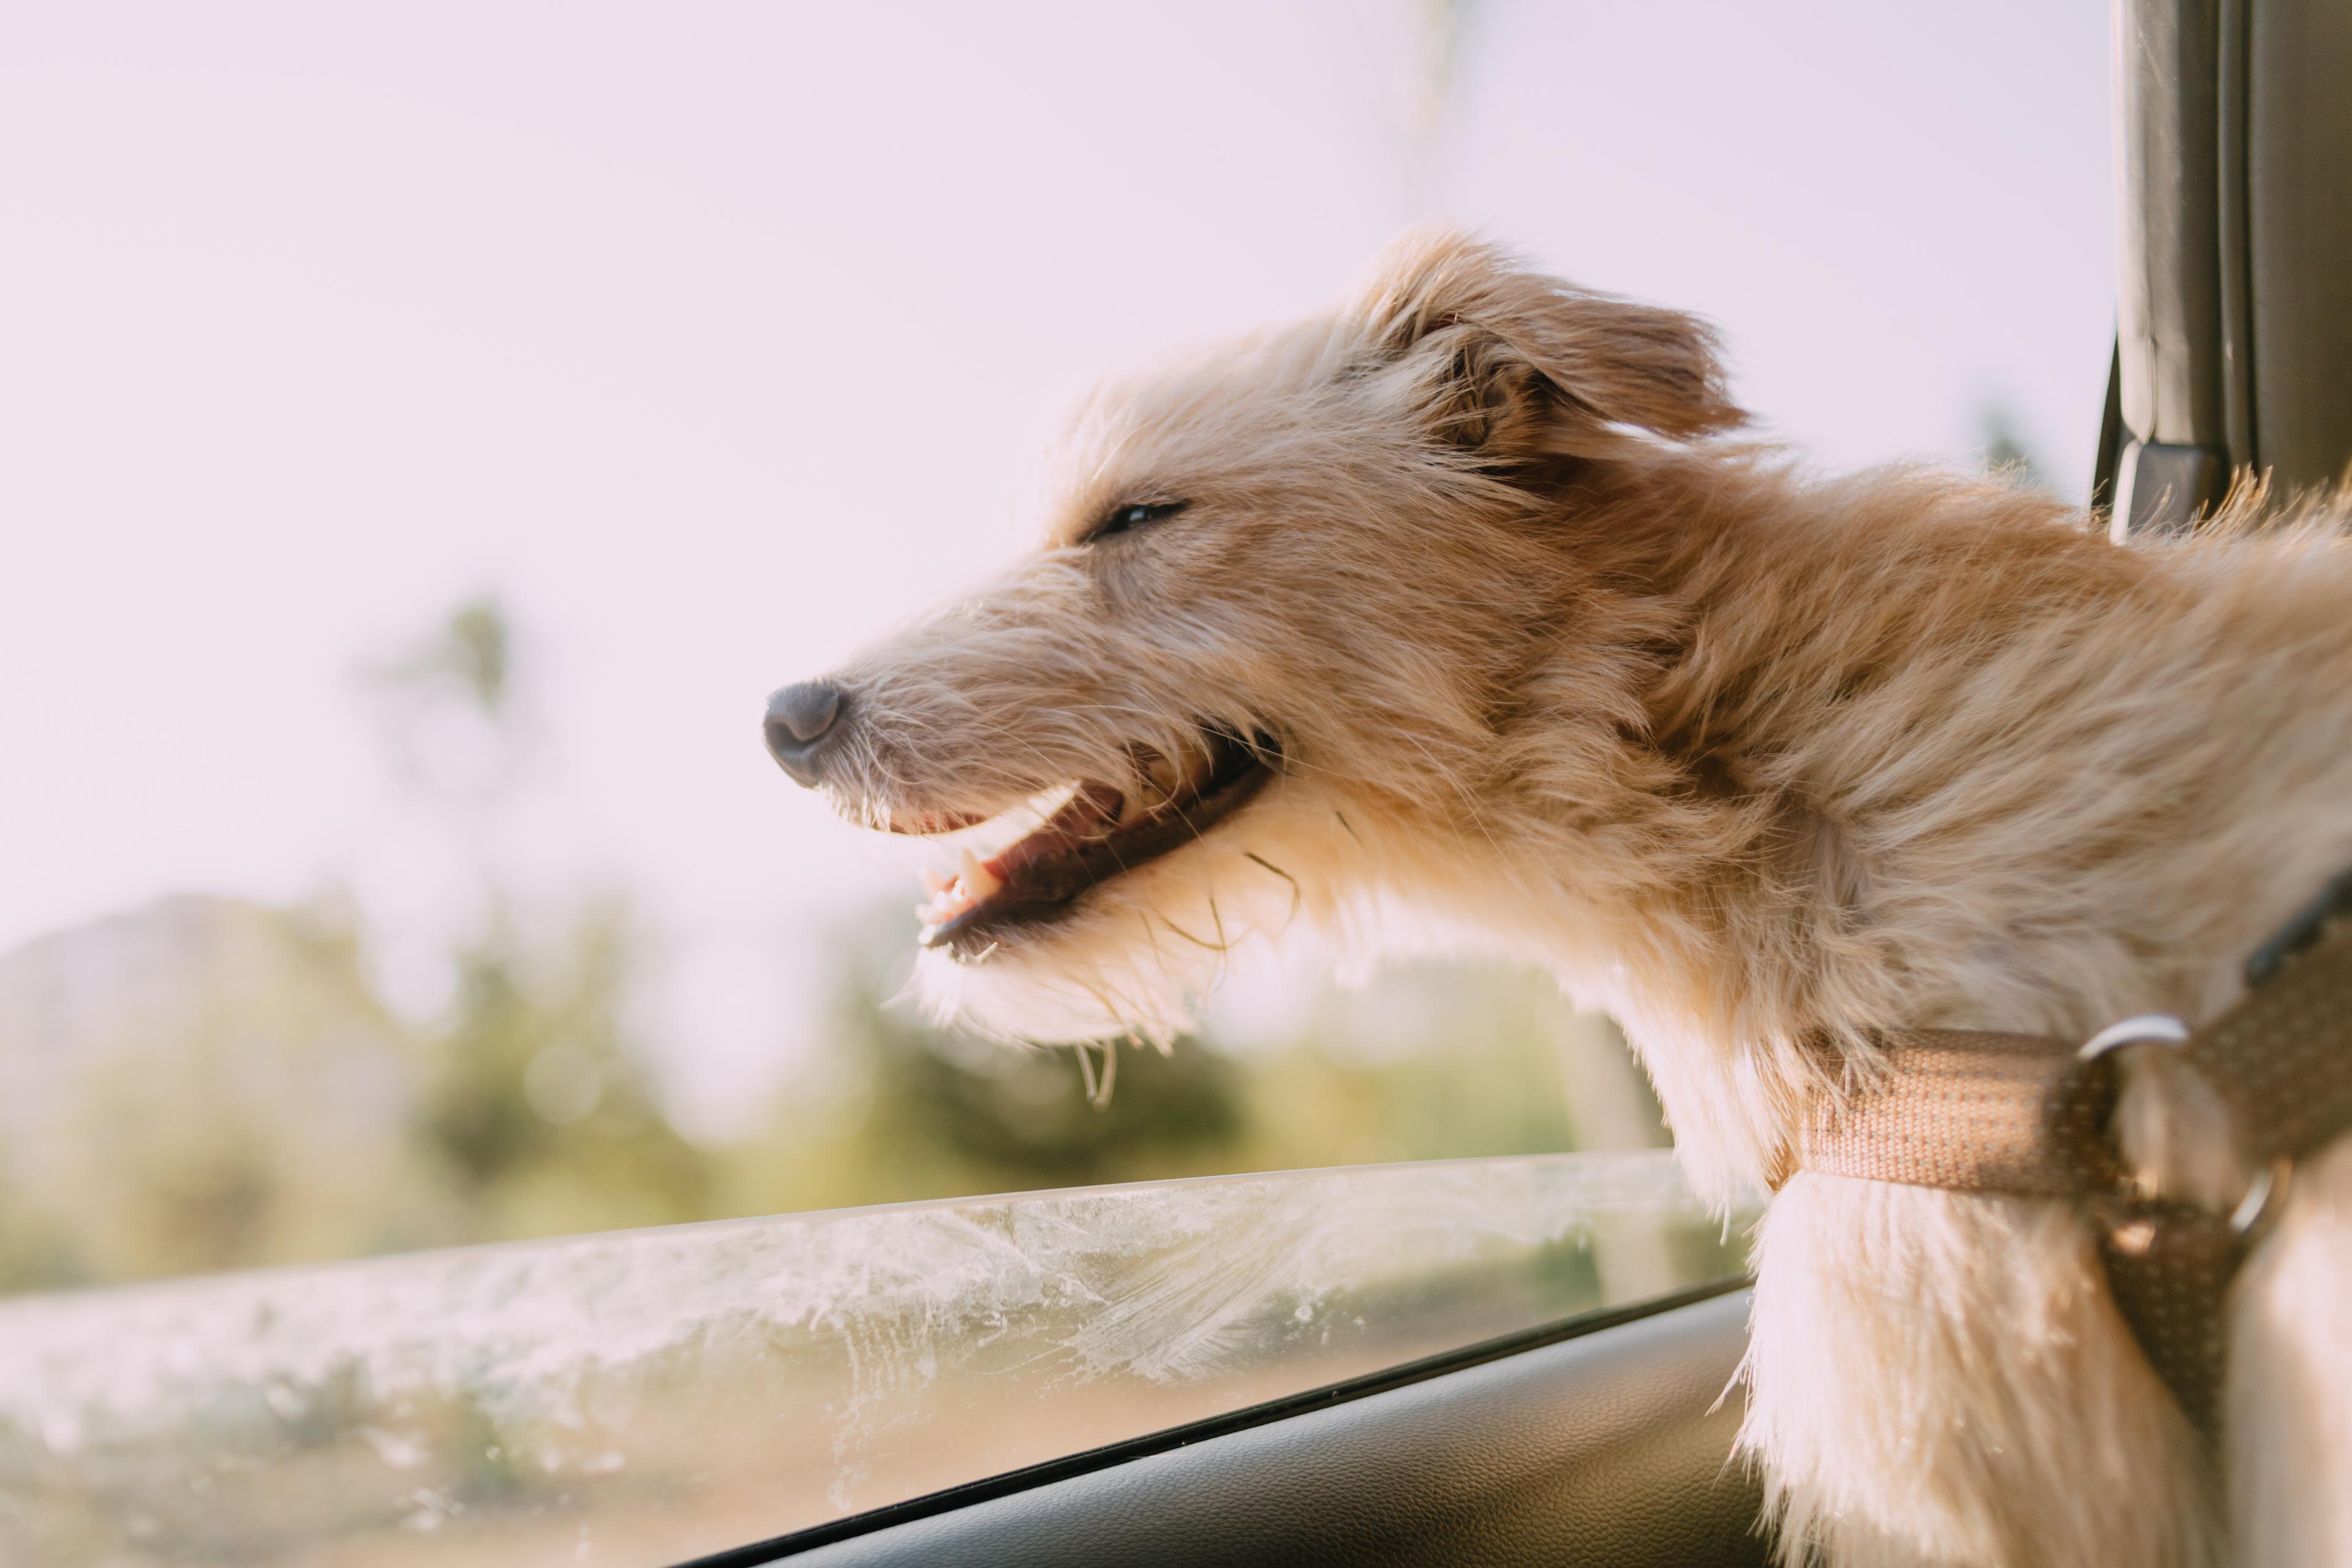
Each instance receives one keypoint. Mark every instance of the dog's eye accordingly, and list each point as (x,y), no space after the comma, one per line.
(1132,514)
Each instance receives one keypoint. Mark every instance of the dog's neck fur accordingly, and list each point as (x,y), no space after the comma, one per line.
(1876,781)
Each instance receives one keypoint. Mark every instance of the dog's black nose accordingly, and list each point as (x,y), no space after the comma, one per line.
(799,718)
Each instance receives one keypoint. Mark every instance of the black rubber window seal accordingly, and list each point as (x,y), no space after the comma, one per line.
(952,1497)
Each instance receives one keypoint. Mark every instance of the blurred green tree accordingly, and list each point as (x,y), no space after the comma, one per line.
(547,1121)
(213,1085)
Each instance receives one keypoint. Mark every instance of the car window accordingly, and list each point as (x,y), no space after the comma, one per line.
(651,1396)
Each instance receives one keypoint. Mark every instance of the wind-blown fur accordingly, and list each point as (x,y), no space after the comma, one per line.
(1743,756)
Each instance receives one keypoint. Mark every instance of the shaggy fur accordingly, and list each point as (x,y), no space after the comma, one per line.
(1742,755)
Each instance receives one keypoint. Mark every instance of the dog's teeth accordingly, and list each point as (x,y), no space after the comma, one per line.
(978,882)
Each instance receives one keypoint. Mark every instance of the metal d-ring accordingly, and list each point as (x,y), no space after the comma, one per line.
(2147,1029)
(2260,1205)
(2096,1078)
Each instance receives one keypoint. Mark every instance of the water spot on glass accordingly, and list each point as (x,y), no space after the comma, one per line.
(400,1453)
(431,1512)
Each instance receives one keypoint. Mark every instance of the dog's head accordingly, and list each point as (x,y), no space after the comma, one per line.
(1286,605)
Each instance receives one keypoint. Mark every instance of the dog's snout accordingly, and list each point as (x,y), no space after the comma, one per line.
(799,718)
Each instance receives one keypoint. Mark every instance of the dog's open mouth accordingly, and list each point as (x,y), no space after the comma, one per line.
(1082,835)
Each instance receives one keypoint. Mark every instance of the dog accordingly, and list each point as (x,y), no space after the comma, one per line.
(1472,597)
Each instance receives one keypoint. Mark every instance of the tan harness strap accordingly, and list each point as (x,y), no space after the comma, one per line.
(2026,1116)
(2281,1059)
(2168,1268)
(1969,1109)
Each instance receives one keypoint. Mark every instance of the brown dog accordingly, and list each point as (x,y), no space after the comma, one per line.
(1463,596)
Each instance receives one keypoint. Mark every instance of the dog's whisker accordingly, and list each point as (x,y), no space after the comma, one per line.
(1109,1075)
(1297,897)
(1188,936)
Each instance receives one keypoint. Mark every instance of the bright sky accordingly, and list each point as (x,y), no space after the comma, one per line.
(716,337)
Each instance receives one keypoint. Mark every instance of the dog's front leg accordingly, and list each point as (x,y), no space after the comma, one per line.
(1939,1378)
(2289,1400)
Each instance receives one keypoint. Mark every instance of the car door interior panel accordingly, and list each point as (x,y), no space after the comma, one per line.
(1613,1446)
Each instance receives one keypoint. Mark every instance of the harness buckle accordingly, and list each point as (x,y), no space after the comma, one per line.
(2258,1205)
(2259,1209)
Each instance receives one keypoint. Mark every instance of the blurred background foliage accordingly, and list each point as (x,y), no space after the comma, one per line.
(260,1104)
(208,1083)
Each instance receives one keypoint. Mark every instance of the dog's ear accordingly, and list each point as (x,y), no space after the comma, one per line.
(1515,365)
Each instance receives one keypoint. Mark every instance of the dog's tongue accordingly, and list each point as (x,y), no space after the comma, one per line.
(1090,813)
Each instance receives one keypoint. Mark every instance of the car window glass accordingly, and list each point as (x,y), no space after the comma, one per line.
(647,1397)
